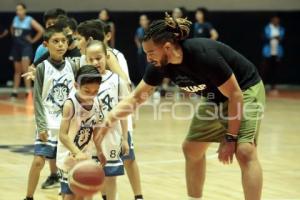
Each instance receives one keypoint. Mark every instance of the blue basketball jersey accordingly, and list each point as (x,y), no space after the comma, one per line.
(22,28)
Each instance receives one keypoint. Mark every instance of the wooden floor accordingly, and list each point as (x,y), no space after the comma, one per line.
(158,151)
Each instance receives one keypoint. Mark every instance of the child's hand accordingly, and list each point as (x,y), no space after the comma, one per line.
(80,156)
(30,74)
(43,136)
(102,159)
(125,148)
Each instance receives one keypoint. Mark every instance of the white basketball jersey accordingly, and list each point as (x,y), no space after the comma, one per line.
(57,86)
(80,131)
(108,95)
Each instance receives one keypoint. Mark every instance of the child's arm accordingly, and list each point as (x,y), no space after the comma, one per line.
(68,112)
(39,111)
(114,66)
(98,138)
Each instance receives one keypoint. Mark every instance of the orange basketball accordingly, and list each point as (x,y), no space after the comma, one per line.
(86,178)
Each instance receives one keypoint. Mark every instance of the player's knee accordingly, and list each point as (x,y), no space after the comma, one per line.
(245,153)
(128,163)
(38,162)
(191,153)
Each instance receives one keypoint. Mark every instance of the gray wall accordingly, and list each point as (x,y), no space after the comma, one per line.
(152,5)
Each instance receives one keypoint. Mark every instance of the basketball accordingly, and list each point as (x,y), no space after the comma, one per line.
(86,178)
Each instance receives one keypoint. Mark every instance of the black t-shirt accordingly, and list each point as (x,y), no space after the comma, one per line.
(202,30)
(206,65)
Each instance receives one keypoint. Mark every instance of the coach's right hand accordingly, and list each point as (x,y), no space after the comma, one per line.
(43,136)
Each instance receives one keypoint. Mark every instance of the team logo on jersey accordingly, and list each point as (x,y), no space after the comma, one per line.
(107,101)
(84,133)
(59,92)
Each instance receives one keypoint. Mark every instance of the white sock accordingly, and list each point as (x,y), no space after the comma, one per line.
(192,198)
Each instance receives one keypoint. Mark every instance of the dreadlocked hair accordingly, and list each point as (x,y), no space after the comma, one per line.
(168,30)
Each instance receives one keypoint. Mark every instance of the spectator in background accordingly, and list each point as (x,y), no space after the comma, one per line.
(104,15)
(201,27)
(272,52)
(179,12)
(21,52)
(141,56)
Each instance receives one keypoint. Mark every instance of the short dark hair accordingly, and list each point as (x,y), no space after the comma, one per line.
(53,14)
(64,21)
(106,27)
(22,4)
(88,74)
(91,28)
(49,32)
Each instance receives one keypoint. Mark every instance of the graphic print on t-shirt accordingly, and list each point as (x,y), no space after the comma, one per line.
(185,83)
(59,92)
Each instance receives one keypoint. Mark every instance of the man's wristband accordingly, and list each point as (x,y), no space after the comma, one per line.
(230,137)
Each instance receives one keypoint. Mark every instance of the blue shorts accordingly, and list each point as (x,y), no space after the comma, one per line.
(64,182)
(131,155)
(19,52)
(113,168)
(47,149)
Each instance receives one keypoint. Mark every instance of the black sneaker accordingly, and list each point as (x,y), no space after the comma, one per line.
(51,182)
(28,198)
(13,96)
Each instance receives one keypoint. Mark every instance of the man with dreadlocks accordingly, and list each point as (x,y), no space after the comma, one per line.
(230,88)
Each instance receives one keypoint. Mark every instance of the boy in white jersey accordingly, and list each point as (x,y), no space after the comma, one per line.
(112,88)
(53,82)
(130,162)
(80,119)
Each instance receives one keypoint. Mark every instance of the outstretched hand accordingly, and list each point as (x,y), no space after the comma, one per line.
(30,74)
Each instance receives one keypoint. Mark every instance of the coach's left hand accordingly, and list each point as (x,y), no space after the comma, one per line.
(226,151)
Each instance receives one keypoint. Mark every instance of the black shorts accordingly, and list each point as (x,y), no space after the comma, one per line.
(21,51)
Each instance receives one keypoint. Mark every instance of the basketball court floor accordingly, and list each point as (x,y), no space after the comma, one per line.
(158,139)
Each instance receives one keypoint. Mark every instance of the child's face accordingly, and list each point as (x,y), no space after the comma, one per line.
(96,56)
(87,91)
(20,11)
(199,16)
(57,45)
(81,43)
(144,22)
